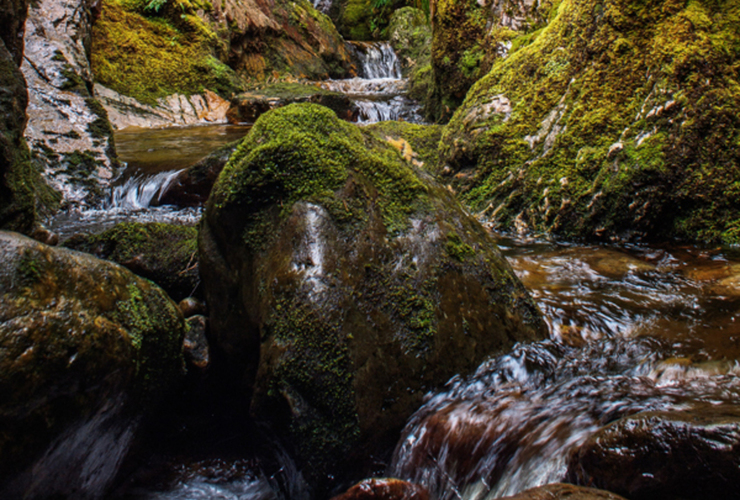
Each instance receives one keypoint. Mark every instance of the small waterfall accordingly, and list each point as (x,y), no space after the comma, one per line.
(379,91)
(140,191)
(323,6)
(375,60)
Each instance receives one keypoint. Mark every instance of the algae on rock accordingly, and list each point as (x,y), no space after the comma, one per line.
(619,119)
(344,284)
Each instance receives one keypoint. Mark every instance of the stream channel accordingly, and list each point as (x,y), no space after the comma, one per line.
(633,328)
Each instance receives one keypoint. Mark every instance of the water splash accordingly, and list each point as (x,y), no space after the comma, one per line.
(375,60)
(142,191)
(514,424)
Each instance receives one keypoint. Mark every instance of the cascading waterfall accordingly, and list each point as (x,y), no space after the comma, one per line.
(379,90)
(140,191)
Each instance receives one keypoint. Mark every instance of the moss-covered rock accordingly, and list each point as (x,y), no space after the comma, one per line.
(148,49)
(619,119)
(414,142)
(85,348)
(468,36)
(167,254)
(248,106)
(344,284)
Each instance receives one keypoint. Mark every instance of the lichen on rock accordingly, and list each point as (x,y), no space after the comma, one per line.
(334,291)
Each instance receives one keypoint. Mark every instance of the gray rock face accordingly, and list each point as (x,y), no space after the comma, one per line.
(85,348)
(68,130)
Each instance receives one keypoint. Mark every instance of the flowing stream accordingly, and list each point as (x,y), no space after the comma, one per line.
(633,329)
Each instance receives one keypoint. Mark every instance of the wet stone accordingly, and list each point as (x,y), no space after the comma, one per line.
(384,489)
(561,491)
(693,454)
(195,347)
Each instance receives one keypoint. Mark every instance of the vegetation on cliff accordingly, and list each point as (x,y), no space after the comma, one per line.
(617,119)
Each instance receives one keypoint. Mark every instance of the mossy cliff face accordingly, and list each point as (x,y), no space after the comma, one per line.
(468,36)
(164,253)
(20,184)
(151,49)
(85,347)
(619,120)
(343,284)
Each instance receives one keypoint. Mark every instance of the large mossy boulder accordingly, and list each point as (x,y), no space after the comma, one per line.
(85,348)
(620,119)
(691,454)
(166,254)
(343,284)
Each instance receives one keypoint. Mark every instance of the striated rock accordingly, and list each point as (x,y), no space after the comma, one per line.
(192,185)
(689,454)
(247,107)
(560,491)
(167,254)
(615,121)
(85,348)
(68,130)
(172,111)
(343,284)
(384,489)
(21,187)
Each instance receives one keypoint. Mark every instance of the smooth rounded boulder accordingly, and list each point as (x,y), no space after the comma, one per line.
(86,347)
(343,284)
(691,454)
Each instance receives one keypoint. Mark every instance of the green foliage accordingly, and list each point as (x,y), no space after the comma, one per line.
(155,5)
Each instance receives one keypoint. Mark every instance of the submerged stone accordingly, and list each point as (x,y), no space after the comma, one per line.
(85,348)
(692,454)
(616,120)
(343,284)
(560,491)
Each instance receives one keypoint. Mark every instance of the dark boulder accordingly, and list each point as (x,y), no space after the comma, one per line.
(86,348)
(343,284)
(167,254)
(192,185)
(693,454)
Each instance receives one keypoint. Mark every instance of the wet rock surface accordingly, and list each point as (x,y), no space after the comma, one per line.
(192,185)
(68,130)
(85,348)
(20,184)
(560,491)
(195,347)
(346,284)
(384,489)
(247,107)
(688,454)
(163,253)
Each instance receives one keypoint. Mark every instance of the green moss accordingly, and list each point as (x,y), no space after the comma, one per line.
(152,56)
(163,253)
(457,248)
(304,152)
(423,139)
(621,124)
